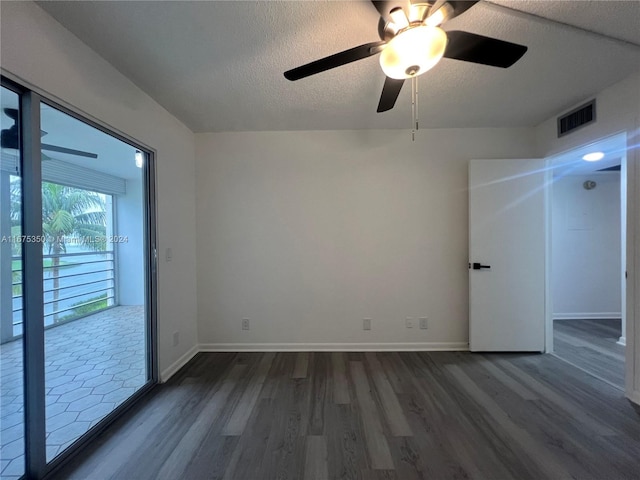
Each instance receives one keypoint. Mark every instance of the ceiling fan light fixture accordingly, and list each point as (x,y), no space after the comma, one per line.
(593,156)
(399,18)
(439,16)
(413,52)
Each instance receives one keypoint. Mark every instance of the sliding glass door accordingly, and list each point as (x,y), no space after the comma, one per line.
(12,445)
(87,314)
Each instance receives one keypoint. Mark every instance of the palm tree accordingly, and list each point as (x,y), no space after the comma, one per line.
(66,212)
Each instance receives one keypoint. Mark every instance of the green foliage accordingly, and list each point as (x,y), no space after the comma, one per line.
(70,211)
(81,309)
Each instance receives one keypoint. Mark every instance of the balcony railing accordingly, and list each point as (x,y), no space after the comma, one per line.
(74,286)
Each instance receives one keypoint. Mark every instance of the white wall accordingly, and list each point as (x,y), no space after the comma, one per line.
(41,53)
(618,110)
(130,254)
(307,233)
(585,248)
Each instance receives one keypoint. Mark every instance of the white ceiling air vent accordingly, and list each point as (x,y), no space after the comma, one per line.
(577,118)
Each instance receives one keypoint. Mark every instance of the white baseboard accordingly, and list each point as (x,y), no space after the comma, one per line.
(634,396)
(168,372)
(588,316)
(622,341)
(334,347)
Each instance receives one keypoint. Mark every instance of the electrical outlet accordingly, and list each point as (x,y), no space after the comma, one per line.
(168,254)
(176,338)
(423,323)
(366,324)
(245,324)
(409,322)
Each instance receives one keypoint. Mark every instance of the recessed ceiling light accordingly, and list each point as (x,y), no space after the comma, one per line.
(593,157)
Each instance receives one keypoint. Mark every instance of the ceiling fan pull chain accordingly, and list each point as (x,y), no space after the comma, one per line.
(417,109)
(413,109)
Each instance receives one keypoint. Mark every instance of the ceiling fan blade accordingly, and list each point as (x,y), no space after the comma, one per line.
(461,6)
(390,92)
(70,151)
(333,61)
(470,47)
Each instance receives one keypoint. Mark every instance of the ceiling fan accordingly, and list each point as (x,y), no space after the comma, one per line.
(412,42)
(9,139)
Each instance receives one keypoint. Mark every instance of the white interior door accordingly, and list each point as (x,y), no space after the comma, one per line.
(507,255)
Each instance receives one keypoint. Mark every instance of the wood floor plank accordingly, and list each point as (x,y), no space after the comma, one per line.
(315,465)
(472,416)
(508,381)
(569,407)
(396,420)
(242,412)
(453,426)
(339,376)
(562,436)
(284,453)
(552,467)
(176,463)
(592,345)
(302,364)
(318,393)
(377,446)
(346,449)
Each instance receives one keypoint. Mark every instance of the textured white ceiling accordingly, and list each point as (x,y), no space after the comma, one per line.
(218,65)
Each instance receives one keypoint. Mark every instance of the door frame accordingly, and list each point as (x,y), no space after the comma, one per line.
(31,98)
(630,289)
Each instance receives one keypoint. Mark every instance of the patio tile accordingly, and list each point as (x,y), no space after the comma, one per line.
(12,449)
(121,355)
(96,412)
(79,370)
(117,369)
(97,380)
(52,451)
(11,434)
(51,374)
(57,381)
(56,408)
(84,403)
(107,387)
(88,375)
(68,433)
(66,387)
(120,395)
(108,363)
(68,363)
(15,468)
(135,382)
(12,375)
(15,391)
(127,374)
(61,420)
(11,420)
(81,358)
(9,409)
(75,394)
(10,400)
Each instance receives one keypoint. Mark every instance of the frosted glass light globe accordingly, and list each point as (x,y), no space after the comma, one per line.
(413,52)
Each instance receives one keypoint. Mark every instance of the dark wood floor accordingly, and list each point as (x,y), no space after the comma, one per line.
(591,345)
(372,416)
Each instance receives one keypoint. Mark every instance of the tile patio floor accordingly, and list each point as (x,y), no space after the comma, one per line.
(91,366)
